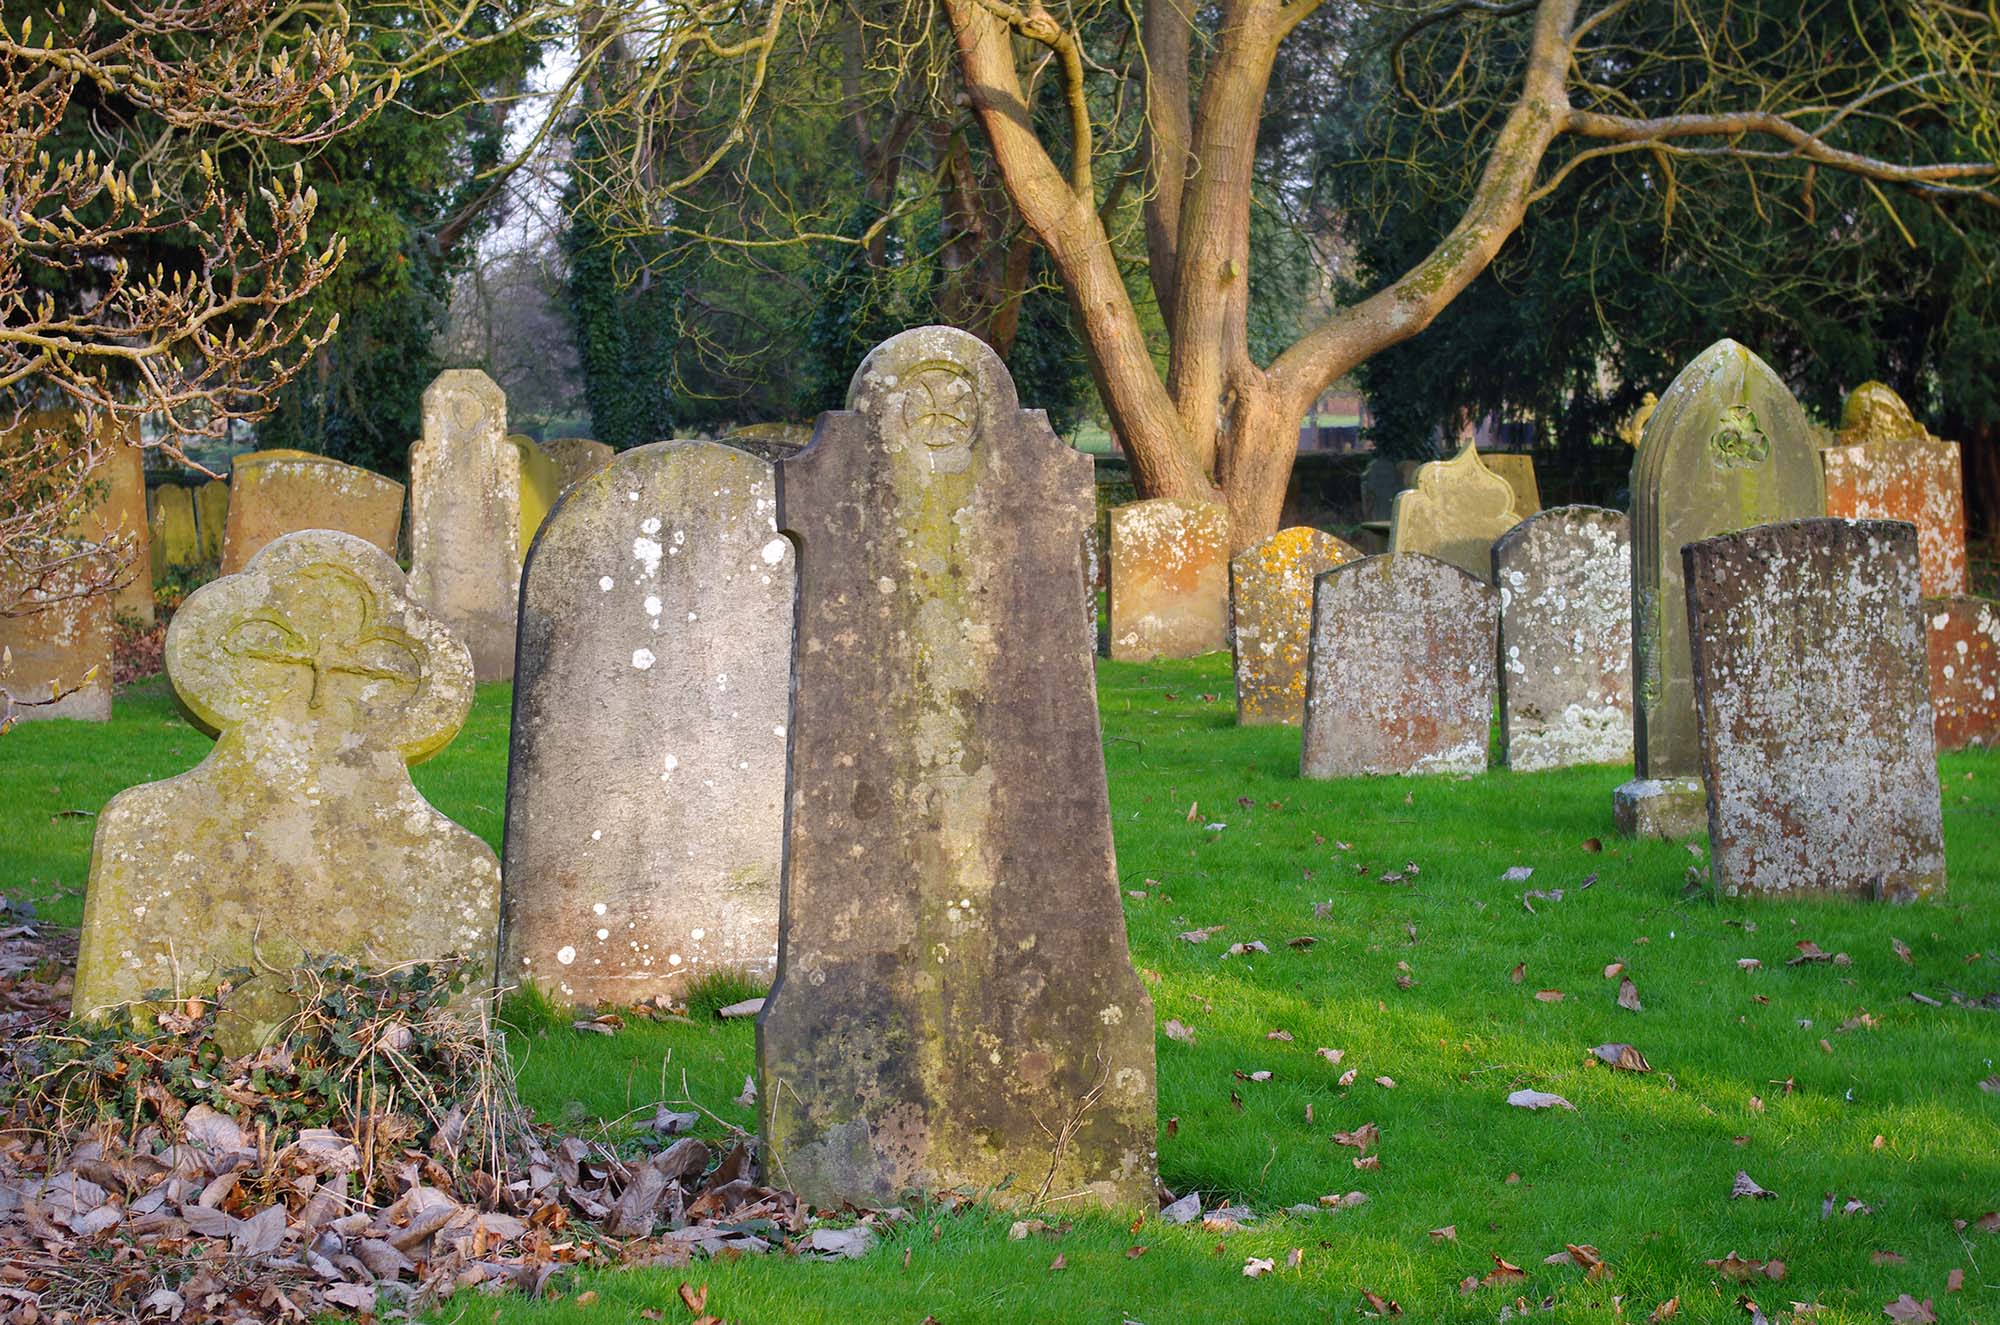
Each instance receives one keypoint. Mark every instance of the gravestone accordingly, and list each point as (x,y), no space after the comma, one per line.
(211,518)
(1727,448)
(1885,466)
(1454,512)
(175,543)
(1402,669)
(59,638)
(274,493)
(646,783)
(1169,579)
(541,486)
(576,459)
(1380,482)
(1964,651)
(1813,690)
(955,1005)
(1270,596)
(465,517)
(1518,468)
(300,833)
(1565,581)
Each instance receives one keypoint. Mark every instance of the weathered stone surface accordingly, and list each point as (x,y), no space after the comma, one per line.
(1670,808)
(1813,690)
(1565,581)
(577,458)
(60,640)
(646,784)
(1727,448)
(1887,467)
(541,486)
(300,833)
(1270,597)
(211,518)
(465,517)
(174,541)
(1402,669)
(116,521)
(1454,512)
(955,1003)
(274,493)
(1518,468)
(1965,670)
(1380,482)
(1169,579)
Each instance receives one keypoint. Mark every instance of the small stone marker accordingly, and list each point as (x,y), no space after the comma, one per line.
(1454,512)
(465,517)
(1271,595)
(59,638)
(1965,669)
(274,493)
(1813,691)
(541,487)
(172,536)
(955,1004)
(1727,448)
(1887,467)
(1518,468)
(576,458)
(1380,482)
(300,833)
(211,518)
(1169,579)
(646,783)
(1402,669)
(1565,581)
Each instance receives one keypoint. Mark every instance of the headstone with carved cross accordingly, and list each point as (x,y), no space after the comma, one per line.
(1727,448)
(955,1005)
(465,517)
(300,833)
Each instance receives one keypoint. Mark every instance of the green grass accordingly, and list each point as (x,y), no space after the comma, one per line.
(1641,1170)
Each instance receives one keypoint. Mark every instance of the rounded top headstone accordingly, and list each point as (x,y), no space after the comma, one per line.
(316,631)
(1875,413)
(937,386)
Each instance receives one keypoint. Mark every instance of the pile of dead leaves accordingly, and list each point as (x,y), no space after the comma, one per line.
(138,652)
(374,1158)
(35,966)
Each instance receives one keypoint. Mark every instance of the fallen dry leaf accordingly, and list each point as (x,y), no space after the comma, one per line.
(1331,1055)
(1538,1099)
(1368,1162)
(1363,1138)
(1745,1187)
(1177,1031)
(1449,1233)
(1902,951)
(1741,1270)
(1666,1311)
(1347,1077)
(1519,972)
(1504,1271)
(695,1299)
(1199,935)
(1286,1036)
(1386,1083)
(1379,1305)
(1623,1057)
(1059,1263)
(1628,996)
(1257,1265)
(1549,995)
(1886,1258)
(1615,969)
(1906,1310)
(1749,964)
(1954,1281)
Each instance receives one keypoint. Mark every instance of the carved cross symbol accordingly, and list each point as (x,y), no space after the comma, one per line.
(324,619)
(939,405)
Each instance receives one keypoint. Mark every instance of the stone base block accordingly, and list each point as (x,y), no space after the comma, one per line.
(1670,808)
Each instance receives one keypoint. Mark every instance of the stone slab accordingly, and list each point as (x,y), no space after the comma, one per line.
(300,832)
(1169,579)
(1887,467)
(955,1004)
(1518,468)
(1727,448)
(174,541)
(465,517)
(1964,646)
(1402,669)
(1812,683)
(646,778)
(211,518)
(577,458)
(541,486)
(59,638)
(274,493)
(1270,603)
(1674,809)
(1453,512)
(1565,581)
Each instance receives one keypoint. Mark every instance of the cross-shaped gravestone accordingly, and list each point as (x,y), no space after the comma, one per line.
(301,832)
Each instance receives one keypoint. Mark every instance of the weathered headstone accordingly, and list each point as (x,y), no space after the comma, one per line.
(1813,690)
(175,543)
(116,522)
(274,493)
(1271,597)
(58,639)
(1454,512)
(1885,466)
(1565,581)
(1965,670)
(211,518)
(1518,468)
(576,458)
(955,1005)
(1380,482)
(646,784)
(300,833)
(541,487)
(1727,448)
(465,517)
(1402,669)
(1169,579)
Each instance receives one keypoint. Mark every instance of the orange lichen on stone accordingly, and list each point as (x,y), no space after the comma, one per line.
(1964,635)
(1887,467)
(1169,579)
(1271,594)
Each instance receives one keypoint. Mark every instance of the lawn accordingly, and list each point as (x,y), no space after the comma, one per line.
(1430,970)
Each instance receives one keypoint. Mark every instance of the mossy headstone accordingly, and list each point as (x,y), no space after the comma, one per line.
(465,517)
(541,487)
(1454,511)
(1270,597)
(577,458)
(955,1007)
(56,637)
(175,543)
(1169,579)
(1565,581)
(300,834)
(211,517)
(274,493)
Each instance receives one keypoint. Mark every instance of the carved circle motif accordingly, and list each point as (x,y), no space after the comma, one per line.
(939,404)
